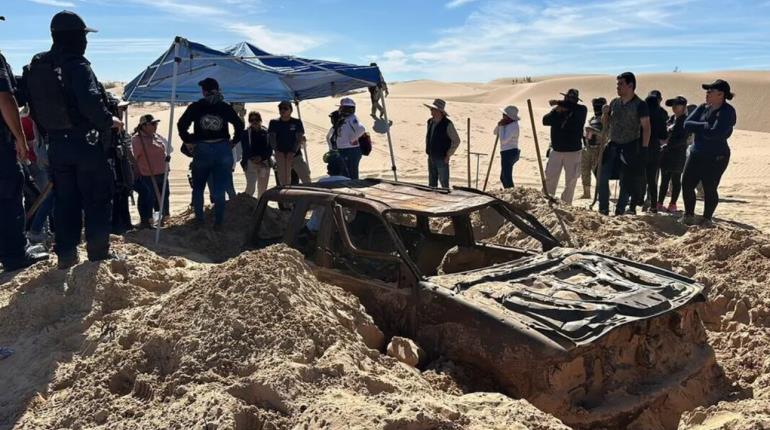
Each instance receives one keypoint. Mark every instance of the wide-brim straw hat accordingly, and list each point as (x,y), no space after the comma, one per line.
(511,112)
(439,105)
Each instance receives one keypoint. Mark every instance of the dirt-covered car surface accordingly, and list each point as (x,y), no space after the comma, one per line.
(594,339)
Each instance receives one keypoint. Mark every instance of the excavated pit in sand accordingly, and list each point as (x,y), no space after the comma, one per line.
(155,342)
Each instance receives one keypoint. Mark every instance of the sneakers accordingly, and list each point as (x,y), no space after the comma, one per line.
(707,223)
(660,207)
(672,207)
(688,220)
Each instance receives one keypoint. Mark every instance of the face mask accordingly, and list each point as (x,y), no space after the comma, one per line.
(70,42)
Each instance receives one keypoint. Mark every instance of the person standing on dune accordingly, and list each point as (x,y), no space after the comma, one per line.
(441,141)
(712,124)
(628,119)
(566,120)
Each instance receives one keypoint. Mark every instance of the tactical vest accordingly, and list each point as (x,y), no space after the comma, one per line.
(45,93)
(439,143)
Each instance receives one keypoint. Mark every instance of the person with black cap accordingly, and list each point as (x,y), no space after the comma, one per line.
(628,119)
(68,105)
(673,154)
(286,135)
(14,251)
(658,134)
(211,146)
(566,120)
(594,139)
(149,151)
(712,124)
(257,153)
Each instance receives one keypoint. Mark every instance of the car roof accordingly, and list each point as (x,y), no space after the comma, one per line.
(403,196)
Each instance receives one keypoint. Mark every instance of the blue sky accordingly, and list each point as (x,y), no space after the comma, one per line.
(452,40)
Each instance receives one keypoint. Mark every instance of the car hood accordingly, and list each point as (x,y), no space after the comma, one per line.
(572,297)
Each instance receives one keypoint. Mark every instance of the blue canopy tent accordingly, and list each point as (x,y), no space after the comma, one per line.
(248,75)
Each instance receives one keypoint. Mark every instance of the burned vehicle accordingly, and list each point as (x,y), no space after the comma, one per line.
(592,339)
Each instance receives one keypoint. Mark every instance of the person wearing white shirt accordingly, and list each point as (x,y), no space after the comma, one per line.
(344,134)
(508,131)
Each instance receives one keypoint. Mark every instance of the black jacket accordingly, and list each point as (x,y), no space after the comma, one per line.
(674,154)
(658,120)
(567,128)
(255,144)
(437,144)
(209,120)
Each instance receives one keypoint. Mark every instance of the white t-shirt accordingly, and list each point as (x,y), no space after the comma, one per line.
(509,136)
(347,134)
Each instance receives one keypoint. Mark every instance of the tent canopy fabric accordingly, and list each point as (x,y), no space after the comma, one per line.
(246,74)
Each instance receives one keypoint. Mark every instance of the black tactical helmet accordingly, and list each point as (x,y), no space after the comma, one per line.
(69,21)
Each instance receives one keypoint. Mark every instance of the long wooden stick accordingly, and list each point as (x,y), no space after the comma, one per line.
(537,149)
(491,160)
(469,153)
(39,201)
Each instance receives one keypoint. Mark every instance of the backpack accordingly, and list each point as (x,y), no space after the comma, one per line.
(365,143)
(45,94)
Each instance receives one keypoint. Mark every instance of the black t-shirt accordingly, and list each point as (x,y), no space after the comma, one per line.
(7,85)
(286,134)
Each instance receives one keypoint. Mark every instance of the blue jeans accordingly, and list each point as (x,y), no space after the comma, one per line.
(508,158)
(148,201)
(215,160)
(438,171)
(352,158)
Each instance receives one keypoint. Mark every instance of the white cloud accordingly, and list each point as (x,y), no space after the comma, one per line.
(55,3)
(502,37)
(457,3)
(275,41)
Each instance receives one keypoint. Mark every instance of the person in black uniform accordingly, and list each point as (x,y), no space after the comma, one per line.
(211,146)
(659,133)
(13,148)
(673,154)
(68,106)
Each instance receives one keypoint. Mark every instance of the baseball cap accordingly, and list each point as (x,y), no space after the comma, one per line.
(678,100)
(209,84)
(69,21)
(720,85)
(147,119)
(656,94)
(347,102)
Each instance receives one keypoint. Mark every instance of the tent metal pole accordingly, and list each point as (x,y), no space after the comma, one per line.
(390,141)
(304,146)
(170,135)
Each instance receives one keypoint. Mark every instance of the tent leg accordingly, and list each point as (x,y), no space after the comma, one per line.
(390,141)
(170,136)
(304,146)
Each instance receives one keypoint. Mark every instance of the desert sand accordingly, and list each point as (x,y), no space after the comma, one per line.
(193,333)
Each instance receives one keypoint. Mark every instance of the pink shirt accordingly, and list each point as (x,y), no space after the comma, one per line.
(150,154)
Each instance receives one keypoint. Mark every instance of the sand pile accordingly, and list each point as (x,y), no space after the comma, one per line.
(731,262)
(253,343)
(182,237)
